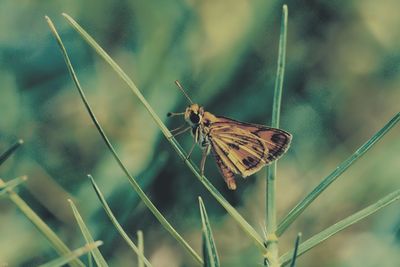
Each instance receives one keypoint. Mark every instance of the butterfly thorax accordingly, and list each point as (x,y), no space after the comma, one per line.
(200,121)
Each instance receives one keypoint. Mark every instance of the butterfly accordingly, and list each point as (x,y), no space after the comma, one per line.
(238,147)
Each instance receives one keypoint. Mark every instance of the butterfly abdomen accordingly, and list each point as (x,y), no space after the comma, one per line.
(228,175)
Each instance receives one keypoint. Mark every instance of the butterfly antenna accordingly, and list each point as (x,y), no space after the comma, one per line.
(183,91)
(171,114)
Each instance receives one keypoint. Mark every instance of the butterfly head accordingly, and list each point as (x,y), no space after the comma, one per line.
(194,114)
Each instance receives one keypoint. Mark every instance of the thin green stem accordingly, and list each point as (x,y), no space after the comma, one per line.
(132,180)
(302,205)
(98,257)
(272,241)
(210,253)
(246,227)
(54,240)
(6,154)
(339,226)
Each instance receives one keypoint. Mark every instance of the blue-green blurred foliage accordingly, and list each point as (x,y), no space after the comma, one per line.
(341,85)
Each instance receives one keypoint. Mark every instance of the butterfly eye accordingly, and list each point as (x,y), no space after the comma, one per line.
(194,118)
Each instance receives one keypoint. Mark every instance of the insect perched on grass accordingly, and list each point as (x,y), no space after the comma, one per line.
(238,147)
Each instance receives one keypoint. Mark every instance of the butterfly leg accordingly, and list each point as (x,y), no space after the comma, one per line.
(181,131)
(177,129)
(190,151)
(206,150)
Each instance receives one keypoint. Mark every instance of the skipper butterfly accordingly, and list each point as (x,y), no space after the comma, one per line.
(238,147)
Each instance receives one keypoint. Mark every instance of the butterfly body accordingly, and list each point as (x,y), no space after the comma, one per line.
(238,147)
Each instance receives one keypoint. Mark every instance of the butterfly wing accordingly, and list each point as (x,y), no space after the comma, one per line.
(245,148)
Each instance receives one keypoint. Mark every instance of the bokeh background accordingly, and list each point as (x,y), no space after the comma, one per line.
(341,86)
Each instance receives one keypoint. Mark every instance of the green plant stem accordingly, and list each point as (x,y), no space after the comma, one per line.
(246,227)
(296,247)
(54,240)
(132,180)
(302,205)
(272,241)
(339,226)
(6,154)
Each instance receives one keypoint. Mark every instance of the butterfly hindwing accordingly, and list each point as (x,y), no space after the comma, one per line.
(246,153)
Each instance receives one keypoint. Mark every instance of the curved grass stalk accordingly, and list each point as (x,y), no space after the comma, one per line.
(272,241)
(50,235)
(119,228)
(132,180)
(246,227)
(302,205)
(339,226)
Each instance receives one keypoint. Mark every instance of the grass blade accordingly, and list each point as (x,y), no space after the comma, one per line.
(54,240)
(296,247)
(246,227)
(6,154)
(73,255)
(4,187)
(141,248)
(132,180)
(117,225)
(272,243)
(100,261)
(90,259)
(210,253)
(280,72)
(302,205)
(339,226)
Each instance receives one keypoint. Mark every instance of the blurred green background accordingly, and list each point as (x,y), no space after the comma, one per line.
(341,86)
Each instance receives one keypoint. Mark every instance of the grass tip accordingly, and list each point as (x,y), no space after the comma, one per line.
(285,7)
(20,141)
(97,243)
